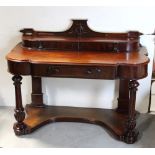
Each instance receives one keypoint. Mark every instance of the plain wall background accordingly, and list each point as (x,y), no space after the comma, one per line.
(73,92)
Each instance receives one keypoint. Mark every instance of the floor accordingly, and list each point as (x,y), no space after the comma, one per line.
(72,135)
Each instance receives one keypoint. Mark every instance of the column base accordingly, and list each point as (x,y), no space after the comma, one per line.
(21,129)
(130,136)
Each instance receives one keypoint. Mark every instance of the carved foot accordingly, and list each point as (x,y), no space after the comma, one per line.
(20,129)
(130,136)
(131,133)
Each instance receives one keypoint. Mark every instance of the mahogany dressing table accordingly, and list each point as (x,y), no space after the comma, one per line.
(78,52)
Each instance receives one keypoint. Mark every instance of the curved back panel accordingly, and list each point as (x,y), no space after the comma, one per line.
(79,37)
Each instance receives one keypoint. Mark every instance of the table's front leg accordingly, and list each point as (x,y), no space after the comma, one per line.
(131,133)
(19,127)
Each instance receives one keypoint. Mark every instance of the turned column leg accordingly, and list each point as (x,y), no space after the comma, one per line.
(123,99)
(37,95)
(19,127)
(131,134)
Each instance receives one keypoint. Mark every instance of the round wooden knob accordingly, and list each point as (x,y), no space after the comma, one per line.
(98,70)
(89,71)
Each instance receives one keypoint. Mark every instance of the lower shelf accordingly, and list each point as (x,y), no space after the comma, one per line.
(111,119)
(39,116)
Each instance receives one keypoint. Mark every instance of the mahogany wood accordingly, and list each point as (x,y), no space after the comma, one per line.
(131,133)
(123,99)
(20,127)
(111,119)
(73,64)
(82,57)
(80,37)
(37,95)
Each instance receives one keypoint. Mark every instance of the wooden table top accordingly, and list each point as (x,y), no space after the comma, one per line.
(21,54)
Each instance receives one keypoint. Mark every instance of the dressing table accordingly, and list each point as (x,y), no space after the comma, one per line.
(78,52)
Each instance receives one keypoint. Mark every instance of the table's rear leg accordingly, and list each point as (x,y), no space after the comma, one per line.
(19,127)
(37,95)
(123,99)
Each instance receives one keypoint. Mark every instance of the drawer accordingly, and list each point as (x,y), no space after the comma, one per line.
(90,72)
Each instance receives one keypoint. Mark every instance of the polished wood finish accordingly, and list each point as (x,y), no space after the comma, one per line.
(20,127)
(77,53)
(37,95)
(131,133)
(80,37)
(111,119)
(78,64)
(123,99)
(20,53)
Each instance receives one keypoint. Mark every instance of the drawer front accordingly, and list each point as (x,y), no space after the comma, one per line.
(90,72)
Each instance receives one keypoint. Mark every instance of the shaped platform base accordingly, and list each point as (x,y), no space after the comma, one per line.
(112,120)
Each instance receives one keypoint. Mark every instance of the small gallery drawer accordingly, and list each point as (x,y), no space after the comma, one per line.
(74,71)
